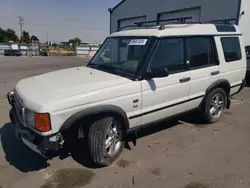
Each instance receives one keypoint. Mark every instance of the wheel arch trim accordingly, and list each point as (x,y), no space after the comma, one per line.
(215,85)
(218,83)
(95,111)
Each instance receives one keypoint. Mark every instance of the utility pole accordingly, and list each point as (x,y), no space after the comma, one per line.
(47,35)
(21,22)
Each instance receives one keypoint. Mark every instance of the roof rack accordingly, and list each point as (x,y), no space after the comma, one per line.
(135,25)
(223,21)
(180,20)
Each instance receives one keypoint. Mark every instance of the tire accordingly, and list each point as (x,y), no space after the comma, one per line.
(210,105)
(102,133)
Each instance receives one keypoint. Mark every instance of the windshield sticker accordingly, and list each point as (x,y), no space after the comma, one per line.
(134,42)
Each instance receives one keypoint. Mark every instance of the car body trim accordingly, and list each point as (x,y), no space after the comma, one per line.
(165,107)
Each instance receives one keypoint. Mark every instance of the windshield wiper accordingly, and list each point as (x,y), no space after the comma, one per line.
(104,67)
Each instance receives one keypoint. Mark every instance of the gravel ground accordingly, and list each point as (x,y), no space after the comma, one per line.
(182,153)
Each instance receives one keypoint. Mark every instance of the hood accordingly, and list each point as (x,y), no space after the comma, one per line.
(43,89)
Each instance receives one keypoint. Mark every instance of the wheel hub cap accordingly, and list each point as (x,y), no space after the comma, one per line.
(113,140)
(217,105)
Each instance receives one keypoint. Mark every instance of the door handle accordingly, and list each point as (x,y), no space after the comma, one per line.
(215,73)
(183,80)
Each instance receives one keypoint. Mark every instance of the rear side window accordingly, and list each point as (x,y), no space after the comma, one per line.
(231,48)
(202,52)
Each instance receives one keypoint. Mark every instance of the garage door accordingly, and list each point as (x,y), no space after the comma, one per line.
(130,21)
(190,12)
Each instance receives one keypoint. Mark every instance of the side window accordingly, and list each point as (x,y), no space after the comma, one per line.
(202,52)
(169,54)
(231,48)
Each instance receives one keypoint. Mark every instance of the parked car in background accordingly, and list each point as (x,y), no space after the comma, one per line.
(12,52)
(44,52)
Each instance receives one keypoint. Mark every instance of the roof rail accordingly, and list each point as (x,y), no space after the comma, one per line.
(223,21)
(180,20)
(135,25)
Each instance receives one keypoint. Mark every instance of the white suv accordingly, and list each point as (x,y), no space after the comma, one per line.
(137,77)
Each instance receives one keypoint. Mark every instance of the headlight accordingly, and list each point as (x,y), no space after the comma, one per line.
(40,122)
(30,118)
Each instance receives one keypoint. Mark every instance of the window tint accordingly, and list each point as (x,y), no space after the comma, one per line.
(202,51)
(231,48)
(169,54)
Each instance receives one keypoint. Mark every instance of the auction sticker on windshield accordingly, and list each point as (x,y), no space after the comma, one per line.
(134,42)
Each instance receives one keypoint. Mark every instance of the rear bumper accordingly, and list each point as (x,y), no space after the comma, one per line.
(44,146)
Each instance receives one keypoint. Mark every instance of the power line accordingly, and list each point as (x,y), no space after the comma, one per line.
(60,26)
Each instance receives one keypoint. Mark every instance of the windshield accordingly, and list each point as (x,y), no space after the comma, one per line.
(121,55)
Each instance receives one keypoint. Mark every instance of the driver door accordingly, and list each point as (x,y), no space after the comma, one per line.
(167,96)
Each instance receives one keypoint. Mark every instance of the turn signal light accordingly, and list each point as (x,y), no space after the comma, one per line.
(42,122)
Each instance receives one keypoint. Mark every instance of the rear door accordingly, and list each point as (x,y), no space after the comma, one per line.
(204,68)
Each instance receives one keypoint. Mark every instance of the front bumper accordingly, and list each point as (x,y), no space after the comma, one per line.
(42,145)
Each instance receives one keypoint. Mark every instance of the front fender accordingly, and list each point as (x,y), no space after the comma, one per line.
(94,111)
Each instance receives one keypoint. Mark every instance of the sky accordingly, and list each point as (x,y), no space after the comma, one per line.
(59,19)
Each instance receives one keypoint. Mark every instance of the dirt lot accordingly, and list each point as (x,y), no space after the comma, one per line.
(181,153)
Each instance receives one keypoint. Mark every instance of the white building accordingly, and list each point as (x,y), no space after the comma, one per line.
(128,12)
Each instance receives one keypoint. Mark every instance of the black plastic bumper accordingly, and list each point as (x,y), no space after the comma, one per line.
(242,86)
(39,144)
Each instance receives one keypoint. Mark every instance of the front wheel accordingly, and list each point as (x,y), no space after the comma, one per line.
(105,140)
(214,104)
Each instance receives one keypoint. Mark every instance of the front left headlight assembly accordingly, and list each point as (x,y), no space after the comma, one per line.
(38,121)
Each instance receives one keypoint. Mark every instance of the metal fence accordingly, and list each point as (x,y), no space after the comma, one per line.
(86,51)
(24,49)
(4,47)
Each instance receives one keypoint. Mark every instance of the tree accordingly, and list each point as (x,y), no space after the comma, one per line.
(26,37)
(8,35)
(54,45)
(75,41)
(2,35)
(34,38)
(11,35)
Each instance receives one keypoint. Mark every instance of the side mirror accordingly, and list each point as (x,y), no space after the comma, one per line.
(156,73)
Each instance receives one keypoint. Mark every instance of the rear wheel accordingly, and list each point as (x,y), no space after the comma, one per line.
(214,105)
(105,140)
